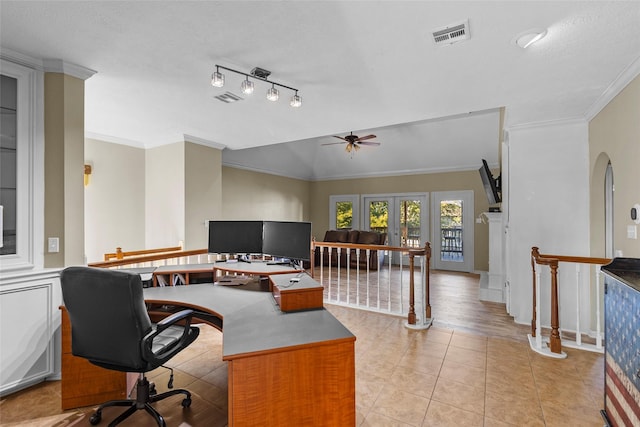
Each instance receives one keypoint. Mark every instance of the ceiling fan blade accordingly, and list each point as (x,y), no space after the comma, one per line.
(365,137)
(339,137)
(369,143)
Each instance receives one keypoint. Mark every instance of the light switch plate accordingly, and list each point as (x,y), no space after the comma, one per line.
(632,231)
(53,244)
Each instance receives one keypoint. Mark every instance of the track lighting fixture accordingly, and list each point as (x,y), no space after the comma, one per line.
(247,86)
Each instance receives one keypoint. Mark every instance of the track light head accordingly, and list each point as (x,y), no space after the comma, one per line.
(247,86)
(217,78)
(273,94)
(296,100)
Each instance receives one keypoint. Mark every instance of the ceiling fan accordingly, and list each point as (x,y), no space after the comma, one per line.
(354,141)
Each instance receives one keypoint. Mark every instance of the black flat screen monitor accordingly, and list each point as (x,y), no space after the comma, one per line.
(235,237)
(491,185)
(290,240)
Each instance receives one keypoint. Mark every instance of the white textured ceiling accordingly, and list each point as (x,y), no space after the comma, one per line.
(362,66)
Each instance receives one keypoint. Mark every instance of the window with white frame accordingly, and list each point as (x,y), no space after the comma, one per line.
(21,158)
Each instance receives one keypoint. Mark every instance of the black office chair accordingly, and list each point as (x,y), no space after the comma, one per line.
(111,328)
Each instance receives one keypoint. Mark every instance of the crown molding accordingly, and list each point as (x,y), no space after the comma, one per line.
(202,141)
(548,123)
(620,82)
(114,139)
(20,59)
(60,66)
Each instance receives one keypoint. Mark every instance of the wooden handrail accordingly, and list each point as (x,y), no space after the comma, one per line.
(147,258)
(555,343)
(119,254)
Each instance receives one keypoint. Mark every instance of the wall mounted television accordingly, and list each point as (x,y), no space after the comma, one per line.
(290,240)
(235,237)
(491,185)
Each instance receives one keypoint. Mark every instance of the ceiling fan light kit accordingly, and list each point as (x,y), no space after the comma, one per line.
(354,142)
(247,86)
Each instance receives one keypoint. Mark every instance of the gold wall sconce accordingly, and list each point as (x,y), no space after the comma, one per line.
(87,174)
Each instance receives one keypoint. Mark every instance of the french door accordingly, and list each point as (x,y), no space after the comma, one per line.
(453,228)
(404,217)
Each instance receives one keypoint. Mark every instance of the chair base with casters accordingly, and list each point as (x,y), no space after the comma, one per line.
(143,400)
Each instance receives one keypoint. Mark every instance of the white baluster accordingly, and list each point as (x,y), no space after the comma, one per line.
(578,333)
(538,328)
(598,330)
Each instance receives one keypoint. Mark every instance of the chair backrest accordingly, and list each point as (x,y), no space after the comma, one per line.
(108,316)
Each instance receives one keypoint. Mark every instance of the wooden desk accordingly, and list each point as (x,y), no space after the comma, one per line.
(284,368)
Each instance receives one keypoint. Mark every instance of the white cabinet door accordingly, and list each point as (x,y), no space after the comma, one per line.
(29,319)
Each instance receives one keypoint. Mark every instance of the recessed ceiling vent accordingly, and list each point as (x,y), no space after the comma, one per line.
(228,97)
(452,33)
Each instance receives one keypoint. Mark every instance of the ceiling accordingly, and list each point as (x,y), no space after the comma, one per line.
(361,66)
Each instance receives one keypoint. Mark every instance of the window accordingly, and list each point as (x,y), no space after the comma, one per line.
(344,212)
(22,162)
(8,108)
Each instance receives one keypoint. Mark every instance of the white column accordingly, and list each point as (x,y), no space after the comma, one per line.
(492,283)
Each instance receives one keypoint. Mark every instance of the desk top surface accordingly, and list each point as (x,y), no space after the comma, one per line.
(300,281)
(252,321)
(255,267)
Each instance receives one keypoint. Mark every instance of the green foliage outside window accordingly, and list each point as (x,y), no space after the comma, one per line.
(378,215)
(450,213)
(344,215)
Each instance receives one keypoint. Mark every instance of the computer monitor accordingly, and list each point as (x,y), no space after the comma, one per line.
(235,237)
(290,240)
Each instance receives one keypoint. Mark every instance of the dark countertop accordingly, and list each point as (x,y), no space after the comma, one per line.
(626,270)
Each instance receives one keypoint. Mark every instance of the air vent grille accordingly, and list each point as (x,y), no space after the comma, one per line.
(452,33)
(228,97)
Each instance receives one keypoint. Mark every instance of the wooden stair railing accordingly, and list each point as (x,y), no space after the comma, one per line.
(119,254)
(555,341)
(149,255)
(340,247)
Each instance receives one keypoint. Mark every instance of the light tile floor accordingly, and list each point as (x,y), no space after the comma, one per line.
(437,377)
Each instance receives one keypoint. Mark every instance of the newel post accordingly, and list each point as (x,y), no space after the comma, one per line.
(555,344)
(411,317)
(427,262)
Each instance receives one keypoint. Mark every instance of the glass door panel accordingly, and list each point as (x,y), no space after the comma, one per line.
(453,228)
(451,231)
(404,217)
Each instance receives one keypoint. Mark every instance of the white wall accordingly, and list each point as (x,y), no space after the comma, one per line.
(549,208)
(165,195)
(114,199)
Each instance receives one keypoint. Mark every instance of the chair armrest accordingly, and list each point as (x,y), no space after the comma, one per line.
(166,354)
(174,318)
